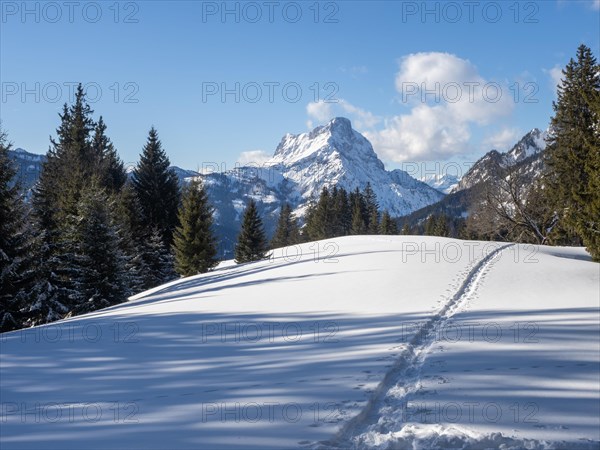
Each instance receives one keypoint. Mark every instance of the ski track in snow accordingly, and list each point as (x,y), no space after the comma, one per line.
(403,378)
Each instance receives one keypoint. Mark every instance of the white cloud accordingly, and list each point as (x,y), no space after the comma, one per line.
(502,140)
(427,133)
(446,95)
(253,158)
(434,67)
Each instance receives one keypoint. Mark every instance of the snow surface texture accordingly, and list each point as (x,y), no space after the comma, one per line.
(351,342)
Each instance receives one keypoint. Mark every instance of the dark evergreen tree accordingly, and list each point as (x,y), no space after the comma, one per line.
(69,165)
(100,279)
(371,212)
(406,229)
(158,261)
(52,295)
(572,153)
(388,225)
(359,211)
(287,232)
(251,244)
(342,213)
(430,226)
(110,172)
(129,221)
(157,189)
(15,246)
(440,227)
(194,244)
(320,220)
(374,224)
(592,208)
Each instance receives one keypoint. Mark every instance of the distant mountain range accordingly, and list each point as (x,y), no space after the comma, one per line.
(330,155)
(525,156)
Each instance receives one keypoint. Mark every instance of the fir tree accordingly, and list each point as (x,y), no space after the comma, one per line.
(157,189)
(572,153)
(194,243)
(388,225)
(251,243)
(287,232)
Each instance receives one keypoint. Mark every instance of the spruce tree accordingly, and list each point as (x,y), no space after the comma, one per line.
(110,170)
(371,217)
(358,224)
(572,153)
(252,243)
(374,222)
(287,232)
(157,189)
(388,225)
(51,296)
(440,227)
(158,261)
(406,229)
(68,167)
(430,225)
(324,224)
(100,280)
(592,208)
(342,212)
(194,244)
(15,246)
(129,221)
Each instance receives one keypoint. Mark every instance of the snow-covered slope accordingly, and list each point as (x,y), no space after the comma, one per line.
(321,346)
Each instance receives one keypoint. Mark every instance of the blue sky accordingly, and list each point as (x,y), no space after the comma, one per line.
(166,64)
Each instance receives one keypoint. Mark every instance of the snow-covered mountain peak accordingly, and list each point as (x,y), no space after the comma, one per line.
(530,144)
(335,141)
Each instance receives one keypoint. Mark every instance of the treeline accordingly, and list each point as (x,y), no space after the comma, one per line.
(335,213)
(92,235)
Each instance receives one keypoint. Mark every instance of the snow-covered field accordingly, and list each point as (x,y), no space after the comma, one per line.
(396,342)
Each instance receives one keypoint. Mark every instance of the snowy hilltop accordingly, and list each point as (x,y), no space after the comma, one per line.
(357,342)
